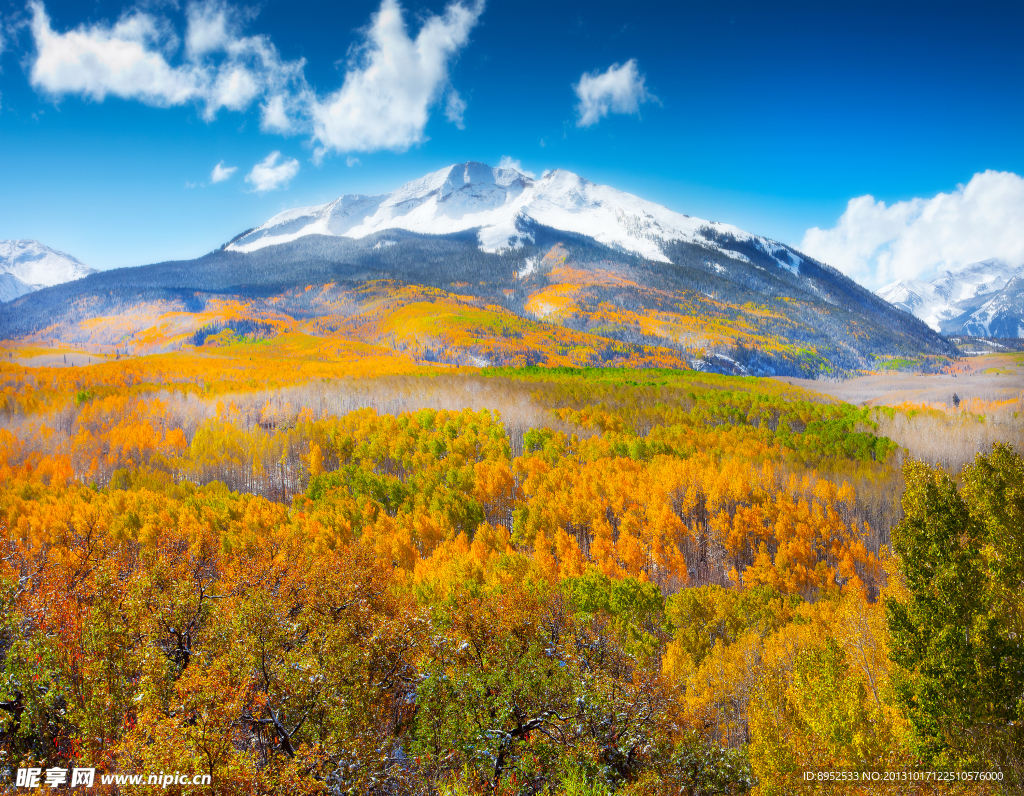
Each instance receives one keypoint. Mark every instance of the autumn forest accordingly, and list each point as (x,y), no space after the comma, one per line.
(329,572)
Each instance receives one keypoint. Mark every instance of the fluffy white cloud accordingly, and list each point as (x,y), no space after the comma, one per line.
(281,114)
(391,84)
(131,59)
(877,244)
(392,81)
(211,29)
(509,163)
(454,109)
(619,89)
(221,172)
(125,59)
(269,174)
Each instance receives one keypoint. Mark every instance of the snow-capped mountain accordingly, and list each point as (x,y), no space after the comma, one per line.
(613,277)
(501,203)
(27,265)
(968,296)
(1000,316)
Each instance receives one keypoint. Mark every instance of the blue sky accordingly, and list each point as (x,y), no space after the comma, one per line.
(769,115)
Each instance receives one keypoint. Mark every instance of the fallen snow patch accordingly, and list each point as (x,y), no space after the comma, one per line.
(531,267)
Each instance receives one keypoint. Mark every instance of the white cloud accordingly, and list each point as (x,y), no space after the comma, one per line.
(280,115)
(619,89)
(509,163)
(125,60)
(877,244)
(211,27)
(269,175)
(454,109)
(130,59)
(392,81)
(390,87)
(221,172)
(351,162)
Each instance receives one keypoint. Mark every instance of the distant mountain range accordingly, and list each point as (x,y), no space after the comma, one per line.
(477,265)
(984,299)
(28,265)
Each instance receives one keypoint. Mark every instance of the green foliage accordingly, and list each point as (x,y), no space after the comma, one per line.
(517,692)
(635,607)
(535,439)
(33,704)
(701,768)
(652,402)
(957,637)
(575,783)
(897,364)
(146,478)
(386,490)
(416,462)
(595,592)
(831,703)
(994,491)
(709,615)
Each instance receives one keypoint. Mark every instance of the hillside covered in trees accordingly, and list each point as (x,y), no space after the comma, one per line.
(561,299)
(349,573)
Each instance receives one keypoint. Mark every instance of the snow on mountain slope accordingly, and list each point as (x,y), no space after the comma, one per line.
(11,287)
(500,203)
(1000,316)
(950,294)
(921,299)
(27,265)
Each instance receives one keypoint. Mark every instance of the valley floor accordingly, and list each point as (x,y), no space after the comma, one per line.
(994,377)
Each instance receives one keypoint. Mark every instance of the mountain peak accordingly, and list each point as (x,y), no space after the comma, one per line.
(500,203)
(27,265)
(977,298)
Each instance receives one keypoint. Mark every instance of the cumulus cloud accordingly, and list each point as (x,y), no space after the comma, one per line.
(391,84)
(131,59)
(392,81)
(221,172)
(619,89)
(125,59)
(269,174)
(509,163)
(877,244)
